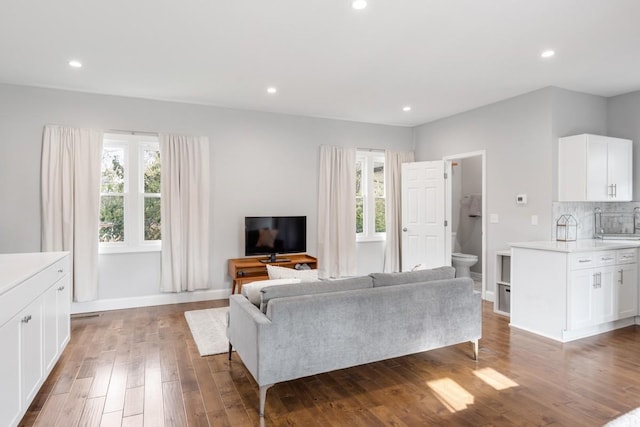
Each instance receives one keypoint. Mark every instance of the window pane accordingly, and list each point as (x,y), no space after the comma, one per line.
(111,218)
(151,160)
(378,179)
(380,217)
(152,218)
(358,179)
(359,216)
(112,170)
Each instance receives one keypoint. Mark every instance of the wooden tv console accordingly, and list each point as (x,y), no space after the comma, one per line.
(245,270)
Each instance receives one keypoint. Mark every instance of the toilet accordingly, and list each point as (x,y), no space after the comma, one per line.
(461,262)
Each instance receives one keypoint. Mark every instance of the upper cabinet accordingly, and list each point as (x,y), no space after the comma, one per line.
(594,168)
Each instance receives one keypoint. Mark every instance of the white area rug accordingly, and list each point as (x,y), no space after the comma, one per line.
(630,419)
(208,328)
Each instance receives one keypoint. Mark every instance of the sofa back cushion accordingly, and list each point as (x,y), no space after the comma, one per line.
(390,279)
(311,288)
(252,290)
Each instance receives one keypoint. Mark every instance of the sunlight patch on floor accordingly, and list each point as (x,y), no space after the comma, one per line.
(451,394)
(495,379)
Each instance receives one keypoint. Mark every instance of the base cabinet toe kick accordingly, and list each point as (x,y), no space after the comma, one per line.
(568,295)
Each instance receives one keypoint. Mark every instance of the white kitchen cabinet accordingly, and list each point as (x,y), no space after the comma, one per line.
(595,168)
(578,293)
(34,326)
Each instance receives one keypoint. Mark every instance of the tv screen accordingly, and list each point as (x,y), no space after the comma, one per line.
(270,235)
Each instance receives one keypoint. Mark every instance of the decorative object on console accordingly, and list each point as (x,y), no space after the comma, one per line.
(566,228)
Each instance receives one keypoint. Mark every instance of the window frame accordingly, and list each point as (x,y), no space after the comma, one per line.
(368,160)
(134,146)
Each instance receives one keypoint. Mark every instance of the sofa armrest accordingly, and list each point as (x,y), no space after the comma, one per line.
(243,330)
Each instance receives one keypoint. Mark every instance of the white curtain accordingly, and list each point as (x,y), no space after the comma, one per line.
(185,212)
(392,176)
(71,202)
(337,212)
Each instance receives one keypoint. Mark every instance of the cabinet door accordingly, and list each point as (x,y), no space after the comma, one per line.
(10,409)
(63,311)
(50,327)
(619,169)
(626,291)
(31,370)
(597,169)
(580,297)
(602,299)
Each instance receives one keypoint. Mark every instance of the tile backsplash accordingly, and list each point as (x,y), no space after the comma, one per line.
(617,216)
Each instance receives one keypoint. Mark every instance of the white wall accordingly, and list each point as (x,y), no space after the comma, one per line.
(262,164)
(520,138)
(624,122)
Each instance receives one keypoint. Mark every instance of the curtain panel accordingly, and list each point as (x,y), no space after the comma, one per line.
(337,212)
(185,212)
(70,193)
(393,211)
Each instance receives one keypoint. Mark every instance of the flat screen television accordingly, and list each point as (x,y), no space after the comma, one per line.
(271,235)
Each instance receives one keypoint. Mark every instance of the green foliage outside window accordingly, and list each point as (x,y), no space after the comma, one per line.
(112,205)
(152,222)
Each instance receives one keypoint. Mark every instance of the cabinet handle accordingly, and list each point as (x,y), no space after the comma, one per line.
(606,258)
(26,318)
(621,277)
(584,260)
(615,190)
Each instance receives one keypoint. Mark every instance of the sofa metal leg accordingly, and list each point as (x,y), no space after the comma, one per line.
(475,349)
(230,350)
(263,397)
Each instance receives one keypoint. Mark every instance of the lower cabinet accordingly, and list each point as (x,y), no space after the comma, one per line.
(34,327)
(576,294)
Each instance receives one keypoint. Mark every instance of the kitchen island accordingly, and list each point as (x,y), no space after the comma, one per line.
(570,290)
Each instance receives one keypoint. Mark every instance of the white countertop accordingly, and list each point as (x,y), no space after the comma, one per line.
(16,268)
(586,245)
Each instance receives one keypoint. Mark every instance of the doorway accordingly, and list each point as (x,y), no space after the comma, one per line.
(466,197)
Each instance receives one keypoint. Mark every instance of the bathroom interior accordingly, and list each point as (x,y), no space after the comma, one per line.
(466,213)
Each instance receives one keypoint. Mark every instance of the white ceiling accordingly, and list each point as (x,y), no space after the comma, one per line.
(326,59)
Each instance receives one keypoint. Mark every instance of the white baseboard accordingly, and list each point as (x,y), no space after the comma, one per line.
(489,296)
(148,300)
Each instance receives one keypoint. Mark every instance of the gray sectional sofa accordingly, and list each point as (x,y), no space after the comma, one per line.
(310,328)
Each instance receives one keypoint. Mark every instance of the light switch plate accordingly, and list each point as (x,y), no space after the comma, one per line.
(494,219)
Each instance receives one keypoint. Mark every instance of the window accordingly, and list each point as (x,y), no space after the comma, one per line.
(130,194)
(370,196)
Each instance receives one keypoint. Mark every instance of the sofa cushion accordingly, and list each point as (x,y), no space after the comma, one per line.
(311,288)
(390,279)
(276,272)
(252,290)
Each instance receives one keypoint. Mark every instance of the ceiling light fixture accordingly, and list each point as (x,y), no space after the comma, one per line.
(547,53)
(406,108)
(272,90)
(75,64)
(359,4)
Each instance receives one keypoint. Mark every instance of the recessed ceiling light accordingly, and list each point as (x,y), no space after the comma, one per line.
(406,108)
(547,53)
(75,64)
(272,90)
(359,4)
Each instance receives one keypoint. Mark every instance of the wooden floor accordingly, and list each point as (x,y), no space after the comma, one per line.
(141,367)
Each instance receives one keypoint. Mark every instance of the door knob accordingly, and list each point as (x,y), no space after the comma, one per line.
(404,229)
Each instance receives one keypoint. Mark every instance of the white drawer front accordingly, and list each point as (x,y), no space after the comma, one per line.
(584,260)
(626,256)
(606,258)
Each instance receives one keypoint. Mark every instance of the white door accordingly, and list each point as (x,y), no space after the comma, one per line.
(425,236)
(619,169)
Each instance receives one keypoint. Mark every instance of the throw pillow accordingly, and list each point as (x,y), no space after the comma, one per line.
(252,290)
(276,272)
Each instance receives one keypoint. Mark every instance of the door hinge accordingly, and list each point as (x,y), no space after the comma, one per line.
(446,223)
(446,175)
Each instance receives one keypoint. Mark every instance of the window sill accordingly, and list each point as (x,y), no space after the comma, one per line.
(108,250)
